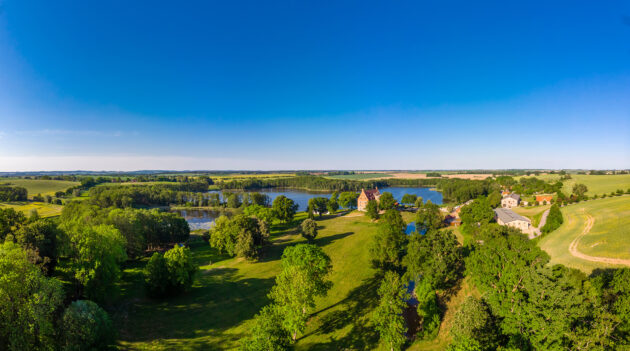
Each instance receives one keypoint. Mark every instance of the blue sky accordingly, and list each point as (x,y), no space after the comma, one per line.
(119,85)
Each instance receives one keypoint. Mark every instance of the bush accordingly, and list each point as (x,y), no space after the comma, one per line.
(171,273)
(86,326)
(554,219)
(309,229)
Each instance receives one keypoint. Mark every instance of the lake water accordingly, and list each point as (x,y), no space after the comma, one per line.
(204,219)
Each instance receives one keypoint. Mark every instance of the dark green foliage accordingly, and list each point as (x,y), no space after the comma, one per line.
(348,199)
(147,195)
(419,202)
(29,302)
(388,246)
(309,229)
(10,221)
(478,213)
(40,236)
(268,333)
(284,208)
(474,321)
(171,273)
(260,212)
(386,201)
(579,190)
(371,210)
(433,174)
(434,256)
(531,185)
(13,193)
(233,200)
(494,199)
(409,199)
(85,326)
(333,203)
(428,217)
(554,219)
(462,190)
(240,236)
(387,317)
(428,309)
(318,205)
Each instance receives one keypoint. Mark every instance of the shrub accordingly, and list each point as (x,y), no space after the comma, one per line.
(309,229)
(171,273)
(86,326)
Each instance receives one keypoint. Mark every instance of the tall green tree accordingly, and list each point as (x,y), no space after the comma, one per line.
(428,217)
(40,236)
(434,256)
(474,320)
(388,246)
(98,252)
(418,203)
(409,199)
(428,309)
(308,228)
(86,326)
(387,317)
(268,333)
(305,268)
(348,199)
(371,210)
(284,208)
(318,204)
(29,302)
(386,201)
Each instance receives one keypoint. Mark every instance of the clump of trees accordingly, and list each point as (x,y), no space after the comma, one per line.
(348,199)
(13,193)
(386,201)
(284,208)
(554,219)
(388,246)
(170,273)
(240,236)
(371,210)
(409,199)
(387,317)
(317,205)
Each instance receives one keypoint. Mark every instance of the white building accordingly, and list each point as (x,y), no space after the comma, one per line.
(510,218)
(510,201)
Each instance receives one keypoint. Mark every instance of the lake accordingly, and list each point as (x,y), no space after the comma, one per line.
(204,219)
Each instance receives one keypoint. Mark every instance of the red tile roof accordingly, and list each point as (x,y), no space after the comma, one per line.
(371,193)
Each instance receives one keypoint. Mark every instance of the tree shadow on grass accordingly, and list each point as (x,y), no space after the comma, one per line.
(355,310)
(274,252)
(219,300)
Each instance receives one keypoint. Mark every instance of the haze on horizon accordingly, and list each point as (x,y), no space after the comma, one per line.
(244,85)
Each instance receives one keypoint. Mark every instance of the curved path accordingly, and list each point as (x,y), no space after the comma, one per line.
(573,248)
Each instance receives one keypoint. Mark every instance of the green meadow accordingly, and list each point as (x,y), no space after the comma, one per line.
(360,176)
(609,237)
(40,186)
(43,209)
(596,184)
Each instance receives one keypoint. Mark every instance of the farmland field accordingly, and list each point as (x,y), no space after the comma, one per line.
(609,236)
(43,209)
(360,176)
(596,184)
(39,186)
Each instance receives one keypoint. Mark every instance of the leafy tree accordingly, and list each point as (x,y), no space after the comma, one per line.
(318,205)
(388,246)
(303,277)
(494,199)
(474,321)
(579,190)
(386,201)
(478,213)
(241,236)
(434,256)
(260,212)
(40,236)
(371,210)
(233,200)
(171,273)
(419,202)
(10,221)
(428,217)
(156,275)
(29,302)
(333,203)
(260,199)
(554,219)
(268,333)
(409,199)
(348,199)
(86,326)
(387,316)
(284,208)
(467,344)
(97,253)
(309,229)
(428,309)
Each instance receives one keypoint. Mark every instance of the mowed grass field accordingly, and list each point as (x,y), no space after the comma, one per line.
(534,213)
(43,209)
(596,184)
(609,236)
(228,292)
(38,186)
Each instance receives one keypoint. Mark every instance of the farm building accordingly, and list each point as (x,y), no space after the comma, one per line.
(365,196)
(510,201)
(503,216)
(544,199)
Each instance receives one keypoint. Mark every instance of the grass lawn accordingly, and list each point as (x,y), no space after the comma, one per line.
(228,292)
(596,184)
(609,236)
(360,176)
(534,213)
(38,186)
(43,209)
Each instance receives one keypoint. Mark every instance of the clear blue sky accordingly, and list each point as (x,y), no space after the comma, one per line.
(123,85)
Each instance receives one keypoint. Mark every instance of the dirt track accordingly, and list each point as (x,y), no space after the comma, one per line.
(573,248)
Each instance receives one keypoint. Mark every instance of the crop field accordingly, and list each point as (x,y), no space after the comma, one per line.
(596,184)
(43,209)
(360,176)
(594,234)
(38,186)
(228,292)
